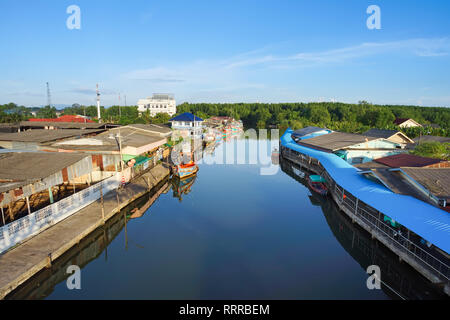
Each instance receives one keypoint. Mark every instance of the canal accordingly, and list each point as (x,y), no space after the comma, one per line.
(230,233)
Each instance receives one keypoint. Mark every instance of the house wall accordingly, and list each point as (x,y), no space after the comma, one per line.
(408,124)
(353,156)
(368,150)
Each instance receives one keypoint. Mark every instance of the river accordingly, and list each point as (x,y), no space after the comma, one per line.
(230,233)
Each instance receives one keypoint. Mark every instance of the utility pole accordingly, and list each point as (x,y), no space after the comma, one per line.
(49,100)
(120,113)
(98,106)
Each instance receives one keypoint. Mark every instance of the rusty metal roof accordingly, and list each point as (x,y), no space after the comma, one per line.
(407,160)
(436,180)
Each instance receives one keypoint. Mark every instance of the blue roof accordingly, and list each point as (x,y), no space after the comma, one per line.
(187,116)
(429,222)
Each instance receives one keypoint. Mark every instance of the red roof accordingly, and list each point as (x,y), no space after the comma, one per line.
(407,160)
(64,118)
(400,120)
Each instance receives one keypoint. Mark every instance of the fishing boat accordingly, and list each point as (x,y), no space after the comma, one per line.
(185,170)
(317,184)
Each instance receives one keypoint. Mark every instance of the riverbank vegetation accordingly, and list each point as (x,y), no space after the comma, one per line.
(433,150)
(336,116)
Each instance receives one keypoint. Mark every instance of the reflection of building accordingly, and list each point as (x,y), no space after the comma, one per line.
(158,103)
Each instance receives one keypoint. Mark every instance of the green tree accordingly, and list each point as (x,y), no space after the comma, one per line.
(433,150)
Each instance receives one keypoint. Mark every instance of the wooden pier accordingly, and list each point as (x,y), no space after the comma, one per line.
(432,264)
(24,261)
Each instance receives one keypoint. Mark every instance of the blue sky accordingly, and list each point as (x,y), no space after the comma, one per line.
(226,51)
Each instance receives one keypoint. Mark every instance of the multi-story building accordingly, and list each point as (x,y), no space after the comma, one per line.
(158,103)
(187,125)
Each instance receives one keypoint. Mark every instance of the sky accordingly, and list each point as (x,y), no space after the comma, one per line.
(225,51)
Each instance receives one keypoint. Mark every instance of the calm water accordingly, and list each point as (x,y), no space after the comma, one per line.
(235,234)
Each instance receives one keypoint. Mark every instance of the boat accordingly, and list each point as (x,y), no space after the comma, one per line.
(185,170)
(317,184)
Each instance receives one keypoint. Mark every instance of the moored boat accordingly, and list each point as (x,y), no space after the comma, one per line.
(317,184)
(185,170)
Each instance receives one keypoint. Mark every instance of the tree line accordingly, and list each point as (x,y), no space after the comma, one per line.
(345,117)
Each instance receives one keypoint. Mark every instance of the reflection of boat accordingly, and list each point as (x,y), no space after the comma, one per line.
(182,186)
(317,183)
(185,170)
(275,156)
(298,172)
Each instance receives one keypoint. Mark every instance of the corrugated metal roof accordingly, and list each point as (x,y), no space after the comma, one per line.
(186,117)
(407,160)
(35,165)
(335,141)
(436,180)
(63,125)
(42,135)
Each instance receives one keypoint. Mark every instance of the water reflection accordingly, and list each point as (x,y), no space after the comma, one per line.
(399,280)
(89,249)
(182,187)
(242,252)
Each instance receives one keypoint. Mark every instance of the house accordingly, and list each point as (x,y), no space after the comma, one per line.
(406,123)
(32,180)
(158,103)
(187,125)
(139,142)
(354,148)
(390,135)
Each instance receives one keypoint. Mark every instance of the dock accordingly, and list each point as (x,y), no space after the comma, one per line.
(432,264)
(22,262)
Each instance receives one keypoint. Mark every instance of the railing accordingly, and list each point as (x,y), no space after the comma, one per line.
(30,225)
(372,218)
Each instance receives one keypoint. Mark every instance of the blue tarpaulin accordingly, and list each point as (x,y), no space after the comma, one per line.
(429,222)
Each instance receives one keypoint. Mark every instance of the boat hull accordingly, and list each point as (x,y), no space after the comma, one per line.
(185,172)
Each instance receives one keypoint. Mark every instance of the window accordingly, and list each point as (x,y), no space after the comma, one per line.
(356,160)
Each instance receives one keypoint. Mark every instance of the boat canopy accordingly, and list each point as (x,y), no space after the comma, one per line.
(316,178)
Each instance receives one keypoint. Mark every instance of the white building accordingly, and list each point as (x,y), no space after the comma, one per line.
(158,103)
